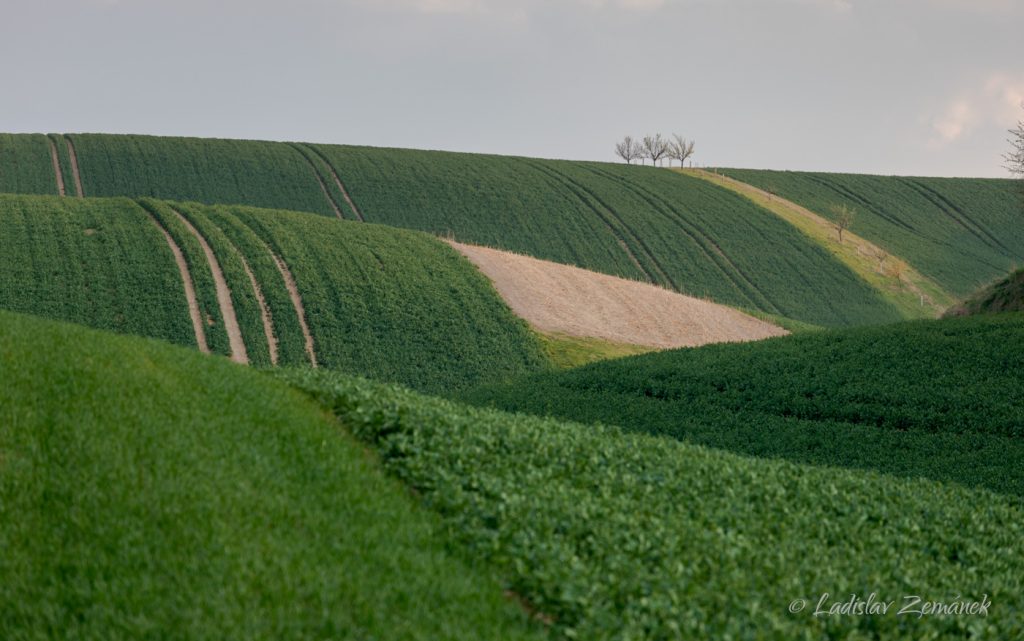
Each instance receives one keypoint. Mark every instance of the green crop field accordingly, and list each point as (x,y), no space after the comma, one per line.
(620,536)
(26,166)
(961,232)
(100,263)
(393,304)
(147,491)
(633,222)
(941,399)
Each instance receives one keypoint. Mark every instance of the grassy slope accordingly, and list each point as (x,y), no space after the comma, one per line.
(962,233)
(566,352)
(940,399)
(147,491)
(632,222)
(619,536)
(910,292)
(388,303)
(96,262)
(1005,295)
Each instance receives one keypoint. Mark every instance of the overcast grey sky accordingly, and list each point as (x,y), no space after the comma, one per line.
(923,87)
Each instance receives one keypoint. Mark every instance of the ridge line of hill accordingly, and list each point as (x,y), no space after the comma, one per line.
(925,299)
(56,167)
(186,280)
(223,292)
(74,166)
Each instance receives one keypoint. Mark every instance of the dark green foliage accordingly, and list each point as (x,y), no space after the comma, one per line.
(205,170)
(1005,295)
(100,263)
(397,305)
(148,492)
(960,232)
(199,270)
(26,166)
(290,342)
(619,536)
(941,399)
(247,309)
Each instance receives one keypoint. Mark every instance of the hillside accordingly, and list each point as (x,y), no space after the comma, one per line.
(559,299)
(939,399)
(643,224)
(962,233)
(146,490)
(1006,295)
(264,287)
(627,536)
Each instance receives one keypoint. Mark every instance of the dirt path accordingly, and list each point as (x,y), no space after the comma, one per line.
(74,167)
(341,186)
(227,307)
(909,289)
(268,320)
(190,290)
(560,298)
(56,166)
(300,309)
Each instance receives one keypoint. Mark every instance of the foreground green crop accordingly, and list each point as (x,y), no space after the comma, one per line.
(941,399)
(619,536)
(149,492)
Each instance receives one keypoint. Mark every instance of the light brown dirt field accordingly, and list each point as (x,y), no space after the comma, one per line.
(227,307)
(560,298)
(190,290)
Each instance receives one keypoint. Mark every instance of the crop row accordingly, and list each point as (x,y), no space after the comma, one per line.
(941,399)
(960,232)
(619,536)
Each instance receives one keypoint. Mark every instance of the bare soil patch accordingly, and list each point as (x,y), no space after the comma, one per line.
(559,298)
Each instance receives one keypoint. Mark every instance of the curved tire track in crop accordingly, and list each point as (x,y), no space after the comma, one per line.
(227,307)
(703,241)
(864,202)
(74,166)
(958,216)
(337,181)
(589,199)
(319,179)
(56,167)
(268,319)
(190,290)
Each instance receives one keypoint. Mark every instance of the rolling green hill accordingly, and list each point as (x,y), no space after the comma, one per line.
(1005,295)
(147,491)
(634,222)
(393,304)
(627,536)
(961,232)
(939,399)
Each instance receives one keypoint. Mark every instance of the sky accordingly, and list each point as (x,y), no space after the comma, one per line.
(920,87)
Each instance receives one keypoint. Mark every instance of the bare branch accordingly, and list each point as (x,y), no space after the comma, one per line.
(680,149)
(629,150)
(843,220)
(655,147)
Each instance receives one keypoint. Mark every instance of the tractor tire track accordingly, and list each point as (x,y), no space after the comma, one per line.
(74,166)
(190,290)
(300,309)
(56,167)
(337,181)
(268,319)
(708,246)
(319,179)
(864,202)
(227,307)
(959,216)
(588,198)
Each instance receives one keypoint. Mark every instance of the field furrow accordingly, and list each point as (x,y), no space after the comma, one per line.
(56,168)
(337,181)
(319,179)
(75,171)
(190,290)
